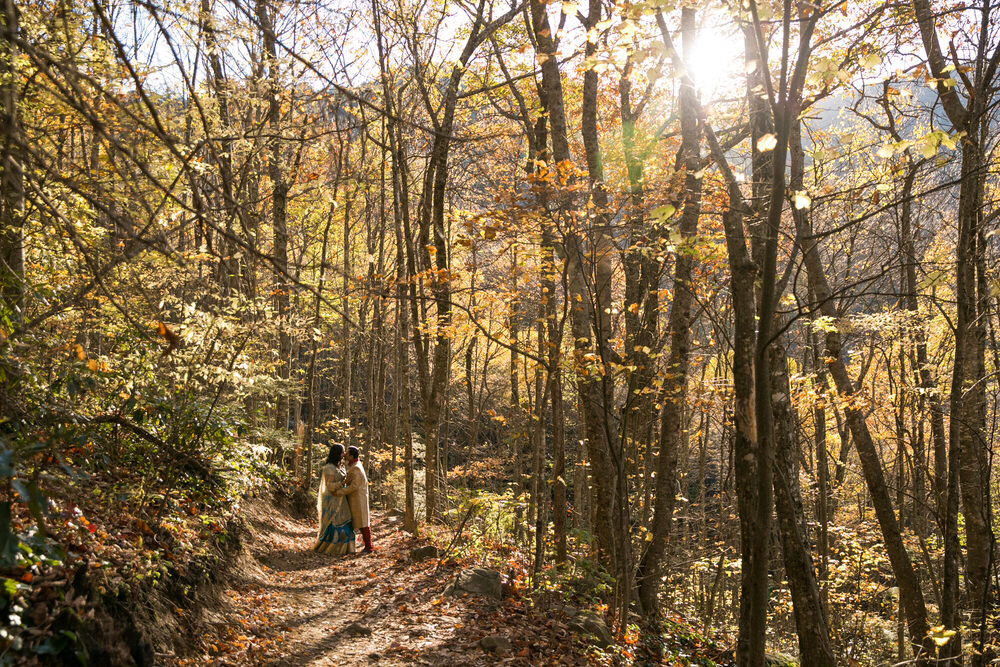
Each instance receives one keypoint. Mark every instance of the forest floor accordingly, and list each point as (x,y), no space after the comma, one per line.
(287,605)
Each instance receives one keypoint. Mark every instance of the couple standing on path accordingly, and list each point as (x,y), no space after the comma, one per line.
(342,504)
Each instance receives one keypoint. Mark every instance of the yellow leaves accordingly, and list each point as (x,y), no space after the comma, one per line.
(929,149)
(767,142)
(939,635)
(946,82)
(78,350)
(950,142)
(932,141)
(928,145)
(801,199)
(596,63)
(826,71)
(871,61)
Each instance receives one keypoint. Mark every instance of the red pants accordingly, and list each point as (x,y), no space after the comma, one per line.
(366,535)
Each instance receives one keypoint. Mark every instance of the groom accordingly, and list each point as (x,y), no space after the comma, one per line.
(356,490)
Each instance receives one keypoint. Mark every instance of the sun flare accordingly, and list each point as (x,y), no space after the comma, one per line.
(717,61)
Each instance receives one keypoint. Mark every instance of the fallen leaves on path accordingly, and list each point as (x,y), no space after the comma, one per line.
(296,607)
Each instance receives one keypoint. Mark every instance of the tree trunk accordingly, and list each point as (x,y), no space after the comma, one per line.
(911,595)
(589,386)
(279,215)
(12,174)
(810,618)
(674,391)
(748,462)
(591,255)
(968,435)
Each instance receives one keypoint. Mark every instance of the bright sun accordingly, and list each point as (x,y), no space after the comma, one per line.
(718,59)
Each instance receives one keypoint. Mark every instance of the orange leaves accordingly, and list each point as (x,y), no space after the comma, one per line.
(173,340)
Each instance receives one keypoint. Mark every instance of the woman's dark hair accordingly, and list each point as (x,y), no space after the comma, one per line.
(336,453)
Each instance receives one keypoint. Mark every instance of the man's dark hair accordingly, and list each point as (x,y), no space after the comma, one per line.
(353,452)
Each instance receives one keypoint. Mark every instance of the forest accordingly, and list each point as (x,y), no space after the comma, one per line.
(681,312)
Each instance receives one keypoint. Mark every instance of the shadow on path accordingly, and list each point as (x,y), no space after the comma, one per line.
(292,560)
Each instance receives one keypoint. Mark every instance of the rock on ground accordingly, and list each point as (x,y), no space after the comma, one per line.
(477,581)
(424,552)
(496,644)
(593,626)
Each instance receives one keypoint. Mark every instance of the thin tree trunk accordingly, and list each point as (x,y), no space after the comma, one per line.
(401,213)
(911,595)
(312,399)
(810,618)
(346,414)
(279,214)
(674,391)
(968,436)
(591,255)
(590,390)
(11,172)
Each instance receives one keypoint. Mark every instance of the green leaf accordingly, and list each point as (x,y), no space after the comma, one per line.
(825,324)
(662,213)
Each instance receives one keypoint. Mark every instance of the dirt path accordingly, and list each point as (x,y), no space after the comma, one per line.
(291,606)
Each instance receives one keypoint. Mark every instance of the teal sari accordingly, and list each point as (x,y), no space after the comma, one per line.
(336,533)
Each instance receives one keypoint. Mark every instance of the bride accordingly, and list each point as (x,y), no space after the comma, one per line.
(336,535)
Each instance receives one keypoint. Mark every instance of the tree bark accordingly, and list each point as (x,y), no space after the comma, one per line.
(680,320)
(911,595)
(589,385)
(968,435)
(810,617)
(279,214)
(11,172)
